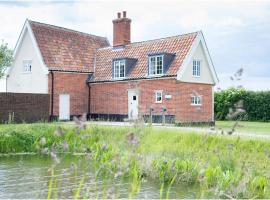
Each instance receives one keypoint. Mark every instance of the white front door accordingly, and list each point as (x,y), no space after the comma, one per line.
(132,104)
(64,107)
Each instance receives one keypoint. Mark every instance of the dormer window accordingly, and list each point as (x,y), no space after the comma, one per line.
(156,65)
(119,68)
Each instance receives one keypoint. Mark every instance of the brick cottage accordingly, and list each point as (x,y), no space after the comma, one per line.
(82,73)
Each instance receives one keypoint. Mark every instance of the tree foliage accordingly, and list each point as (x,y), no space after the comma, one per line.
(255,103)
(5,57)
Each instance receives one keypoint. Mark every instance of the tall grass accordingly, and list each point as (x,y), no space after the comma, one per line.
(229,167)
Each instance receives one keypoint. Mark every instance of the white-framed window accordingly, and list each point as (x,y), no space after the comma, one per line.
(196,100)
(196,68)
(27,66)
(119,69)
(158,96)
(156,65)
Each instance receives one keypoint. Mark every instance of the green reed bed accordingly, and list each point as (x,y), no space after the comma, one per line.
(227,166)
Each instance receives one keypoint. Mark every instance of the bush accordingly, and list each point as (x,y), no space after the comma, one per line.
(254,103)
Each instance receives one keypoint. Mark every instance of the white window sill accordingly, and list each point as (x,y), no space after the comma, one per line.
(117,79)
(196,76)
(26,72)
(196,104)
(155,75)
(158,102)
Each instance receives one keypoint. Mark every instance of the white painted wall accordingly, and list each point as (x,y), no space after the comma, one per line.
(206,76)
(3,84)
(34,82)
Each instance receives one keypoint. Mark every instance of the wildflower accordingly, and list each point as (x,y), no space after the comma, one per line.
(111,193)
(80,122)
(104,147)
(65,145)
(132,139)
(73,167)
(44,151)
(118,174)
(55,158)
(59,132)
(42,141)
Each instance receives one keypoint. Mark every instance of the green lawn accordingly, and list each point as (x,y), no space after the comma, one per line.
(248,127)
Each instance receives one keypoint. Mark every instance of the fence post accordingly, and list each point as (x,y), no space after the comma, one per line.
(151,116)
(163,116)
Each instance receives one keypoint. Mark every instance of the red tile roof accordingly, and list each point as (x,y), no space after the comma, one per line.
(179,45)
(66,50)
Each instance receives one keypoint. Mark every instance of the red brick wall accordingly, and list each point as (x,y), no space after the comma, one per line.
(73,84)
(24,107)
(112,98)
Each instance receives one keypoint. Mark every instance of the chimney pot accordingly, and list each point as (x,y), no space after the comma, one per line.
(124,14)
(119,15)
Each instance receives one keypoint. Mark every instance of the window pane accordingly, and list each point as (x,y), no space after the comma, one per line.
(122,71)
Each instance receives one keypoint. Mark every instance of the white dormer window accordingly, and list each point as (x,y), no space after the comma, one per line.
(196,101)
(156,65)
(196,68)
(27,66)
(119,69)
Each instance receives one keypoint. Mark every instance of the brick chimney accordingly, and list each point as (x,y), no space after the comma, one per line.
(121,30)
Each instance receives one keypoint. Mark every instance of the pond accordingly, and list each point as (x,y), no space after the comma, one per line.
(30,176)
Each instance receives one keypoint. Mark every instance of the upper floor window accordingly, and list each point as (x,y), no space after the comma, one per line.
(196,100)
(27,66)
(196,68)
(119,69)
(156,65)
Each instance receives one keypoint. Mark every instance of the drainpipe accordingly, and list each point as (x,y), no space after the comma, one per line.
(52,95)
(89,98)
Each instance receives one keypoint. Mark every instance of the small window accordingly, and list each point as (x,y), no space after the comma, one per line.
(196,68)
(27,66)
(156,65)
(196,100)
(119,69)
(158,96)
(134,98)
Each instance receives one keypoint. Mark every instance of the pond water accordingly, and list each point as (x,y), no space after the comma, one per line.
(30,176)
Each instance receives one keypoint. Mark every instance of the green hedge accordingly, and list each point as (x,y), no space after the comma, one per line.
(256,104)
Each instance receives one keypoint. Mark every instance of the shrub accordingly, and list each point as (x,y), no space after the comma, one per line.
(254,103)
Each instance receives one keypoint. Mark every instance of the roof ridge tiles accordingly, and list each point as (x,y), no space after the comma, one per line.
(66,29)
(153,40)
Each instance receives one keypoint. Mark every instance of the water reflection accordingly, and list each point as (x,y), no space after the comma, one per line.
(30,176)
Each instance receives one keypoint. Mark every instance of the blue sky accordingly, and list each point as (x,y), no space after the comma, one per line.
(236,32)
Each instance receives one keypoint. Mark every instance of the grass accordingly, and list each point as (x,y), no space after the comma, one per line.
(248,127)
(228,166)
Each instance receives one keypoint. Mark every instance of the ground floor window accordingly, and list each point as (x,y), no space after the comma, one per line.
(158,96)
(196,100)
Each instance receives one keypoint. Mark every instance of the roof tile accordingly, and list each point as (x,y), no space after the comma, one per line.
(66,50)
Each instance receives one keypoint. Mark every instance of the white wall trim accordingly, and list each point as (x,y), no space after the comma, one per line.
(26,27)
(199,39)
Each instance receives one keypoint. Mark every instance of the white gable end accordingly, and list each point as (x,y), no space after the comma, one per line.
(205,76)
(20,81)
(200,53)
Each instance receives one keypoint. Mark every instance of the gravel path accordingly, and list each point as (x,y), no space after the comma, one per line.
(190,129)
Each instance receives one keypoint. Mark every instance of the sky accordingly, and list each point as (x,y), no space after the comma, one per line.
(237,32)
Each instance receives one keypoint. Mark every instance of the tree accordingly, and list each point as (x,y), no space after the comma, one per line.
(5,58)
